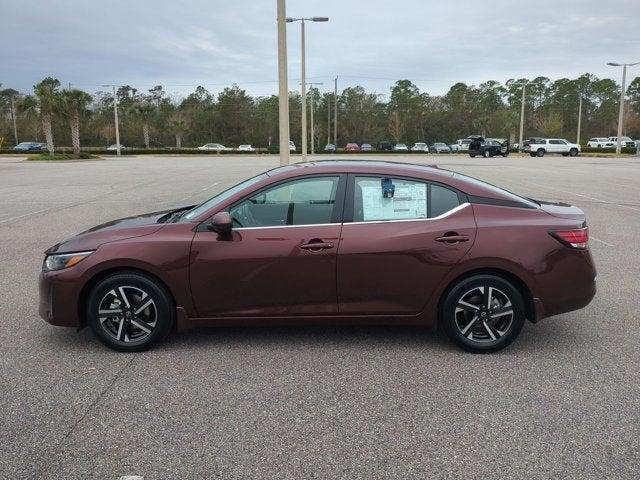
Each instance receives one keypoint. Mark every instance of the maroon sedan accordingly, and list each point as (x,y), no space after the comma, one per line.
(333,241)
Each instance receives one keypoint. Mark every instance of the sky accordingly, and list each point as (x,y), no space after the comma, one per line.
(215,43)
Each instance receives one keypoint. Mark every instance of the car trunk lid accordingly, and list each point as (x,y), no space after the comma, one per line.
(562,210)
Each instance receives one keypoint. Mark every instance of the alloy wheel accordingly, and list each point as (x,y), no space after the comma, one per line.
(484,314)
(127,314)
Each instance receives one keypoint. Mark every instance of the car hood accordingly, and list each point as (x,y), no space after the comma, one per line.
(112,231)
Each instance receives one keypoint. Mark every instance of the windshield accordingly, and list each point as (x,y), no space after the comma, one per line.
(499,190)
(203,207)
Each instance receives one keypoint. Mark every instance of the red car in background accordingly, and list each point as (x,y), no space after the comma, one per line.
(352,147)
(328,242)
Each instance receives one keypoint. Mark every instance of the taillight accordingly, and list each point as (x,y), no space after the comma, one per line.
(576,238)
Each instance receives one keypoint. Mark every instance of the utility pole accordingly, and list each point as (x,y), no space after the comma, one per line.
(622,95)
(520,145)
(304,93)
(579,119)
(13,119)
(328,119)
(335,114)
(313,141)
(283,87)
(115,115)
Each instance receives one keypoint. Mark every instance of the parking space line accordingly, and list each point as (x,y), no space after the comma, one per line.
(601,241)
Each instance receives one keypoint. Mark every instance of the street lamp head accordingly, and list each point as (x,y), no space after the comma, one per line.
(319,19)
(612,64)
(290,20)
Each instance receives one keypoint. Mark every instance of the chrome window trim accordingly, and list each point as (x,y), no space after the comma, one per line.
(444,215)
(286,226)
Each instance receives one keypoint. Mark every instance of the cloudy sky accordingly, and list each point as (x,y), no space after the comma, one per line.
(182,44)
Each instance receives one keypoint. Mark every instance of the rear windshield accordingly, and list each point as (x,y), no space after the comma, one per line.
(509,195)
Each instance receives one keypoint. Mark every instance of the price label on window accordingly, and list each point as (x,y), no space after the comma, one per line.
(409,201)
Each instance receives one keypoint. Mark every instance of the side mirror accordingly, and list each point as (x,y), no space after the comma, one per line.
(221,223)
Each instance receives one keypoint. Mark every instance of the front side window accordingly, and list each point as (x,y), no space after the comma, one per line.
(306,201)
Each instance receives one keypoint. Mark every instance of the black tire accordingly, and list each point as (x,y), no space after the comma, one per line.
(499,329)
(540,152)
(505,155)
(573,152)
(565,154)
(140,330)
(486,154)
(472,155)
(532,154)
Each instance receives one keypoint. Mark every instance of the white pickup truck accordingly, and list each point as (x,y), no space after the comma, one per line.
(461,145)
(538,147)
(624,141)
(600,142)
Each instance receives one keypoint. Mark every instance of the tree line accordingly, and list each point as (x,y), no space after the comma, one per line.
(153,119)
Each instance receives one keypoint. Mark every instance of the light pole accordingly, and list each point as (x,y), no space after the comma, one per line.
(622,94)
(579,119)
(303,75)
(115,118)
(283,87)
(524,86)
(312,125)
(335,114)
(13,119)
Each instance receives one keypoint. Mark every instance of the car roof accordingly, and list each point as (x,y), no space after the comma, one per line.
(433,173)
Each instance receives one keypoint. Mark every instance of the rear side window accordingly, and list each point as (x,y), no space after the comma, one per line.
(411,200)
(442,200)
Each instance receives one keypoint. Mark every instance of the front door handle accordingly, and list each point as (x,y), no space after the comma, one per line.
(316,246)
(452,238)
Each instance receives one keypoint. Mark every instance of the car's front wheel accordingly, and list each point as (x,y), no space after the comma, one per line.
(573,152)
(486,154)
(130,311)
(483,313)
(540,152)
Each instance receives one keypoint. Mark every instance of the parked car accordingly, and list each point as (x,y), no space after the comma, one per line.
(439,147)
(625,141)
(461,145)
(488,147)
(486,260)
(218,147)
(30,147)
(114,147)
(292,146)
(400,147)
(246,148)
(330,148)
(385,146)
(420,147)
(600,142)
(538,147)
(366,147)
(352,147)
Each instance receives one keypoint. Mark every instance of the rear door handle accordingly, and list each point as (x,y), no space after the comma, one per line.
(453,238)
(316,246)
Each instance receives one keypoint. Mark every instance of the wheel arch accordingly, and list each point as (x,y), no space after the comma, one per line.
(102,274)
(518,283)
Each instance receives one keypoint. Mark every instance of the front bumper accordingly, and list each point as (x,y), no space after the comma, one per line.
(59,298)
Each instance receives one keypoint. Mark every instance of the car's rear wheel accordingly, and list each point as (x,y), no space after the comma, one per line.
(532,154)
(573,152)
(483,313)
(130,311)
(472,155)
(540,152)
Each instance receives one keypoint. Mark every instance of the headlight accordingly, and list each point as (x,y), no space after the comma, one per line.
(63,260)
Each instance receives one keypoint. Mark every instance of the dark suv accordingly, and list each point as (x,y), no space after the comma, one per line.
(385,147)
(488,147)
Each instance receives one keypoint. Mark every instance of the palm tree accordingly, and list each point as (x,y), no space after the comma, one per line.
(74,103)
(48,97)
(179,127)
(144,112)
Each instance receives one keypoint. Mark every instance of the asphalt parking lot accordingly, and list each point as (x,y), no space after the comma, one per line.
(305,402)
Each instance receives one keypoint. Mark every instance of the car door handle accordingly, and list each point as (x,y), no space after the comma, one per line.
(452,238)
(316,245)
